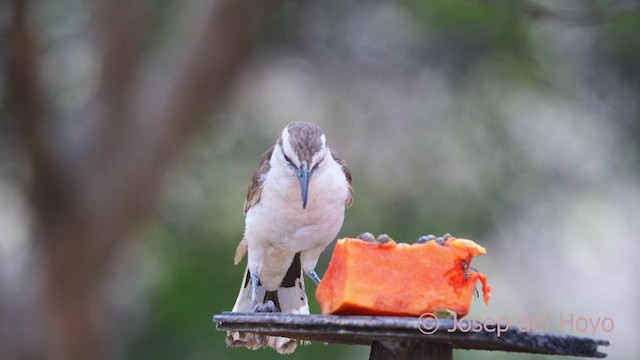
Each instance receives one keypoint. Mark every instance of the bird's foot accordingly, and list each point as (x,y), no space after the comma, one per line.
(269,307)
(476,293)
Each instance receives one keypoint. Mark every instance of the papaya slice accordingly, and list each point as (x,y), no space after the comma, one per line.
(372,278)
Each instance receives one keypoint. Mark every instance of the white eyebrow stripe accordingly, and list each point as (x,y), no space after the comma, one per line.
(287,150)
(321,155)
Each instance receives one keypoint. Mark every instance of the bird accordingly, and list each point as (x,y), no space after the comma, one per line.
(294,208)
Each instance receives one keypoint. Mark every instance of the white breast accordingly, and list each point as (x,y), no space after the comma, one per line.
(278,219)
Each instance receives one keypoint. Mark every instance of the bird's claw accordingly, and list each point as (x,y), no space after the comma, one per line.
(476,293)
(269,307)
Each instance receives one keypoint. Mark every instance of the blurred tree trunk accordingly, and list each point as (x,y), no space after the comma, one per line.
(87,195)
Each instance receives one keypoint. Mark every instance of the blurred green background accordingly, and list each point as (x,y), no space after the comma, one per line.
(512,123)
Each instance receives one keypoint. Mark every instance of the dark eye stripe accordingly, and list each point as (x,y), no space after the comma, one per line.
(317,165)
(287,158)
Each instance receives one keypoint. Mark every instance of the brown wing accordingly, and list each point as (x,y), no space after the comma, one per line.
(253,196)
(255,188)
(347,174)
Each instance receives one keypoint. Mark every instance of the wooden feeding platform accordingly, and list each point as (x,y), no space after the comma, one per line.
(402,338)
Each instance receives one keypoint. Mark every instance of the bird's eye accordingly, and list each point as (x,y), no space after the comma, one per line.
(317,165)
(288,160)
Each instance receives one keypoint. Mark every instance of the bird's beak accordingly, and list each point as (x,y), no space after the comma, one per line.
(304,176)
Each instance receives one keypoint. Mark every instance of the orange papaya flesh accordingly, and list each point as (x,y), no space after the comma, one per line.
(370,278)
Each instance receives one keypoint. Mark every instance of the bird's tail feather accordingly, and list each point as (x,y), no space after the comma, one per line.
(290,298)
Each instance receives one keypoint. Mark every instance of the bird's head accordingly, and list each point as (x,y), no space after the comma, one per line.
(302,148)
